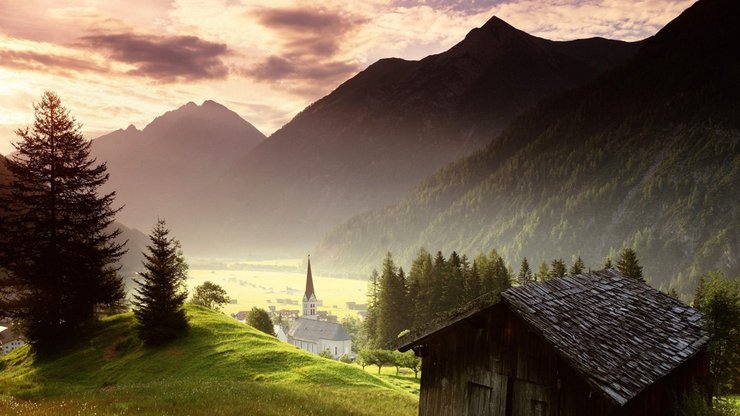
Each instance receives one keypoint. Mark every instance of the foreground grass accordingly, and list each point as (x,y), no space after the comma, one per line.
(220,368)
(405,379)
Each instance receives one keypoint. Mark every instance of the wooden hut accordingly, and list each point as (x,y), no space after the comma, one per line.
(592,344)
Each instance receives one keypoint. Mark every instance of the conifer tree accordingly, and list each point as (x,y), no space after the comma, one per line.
(577,267)
(58,249)
(543,273)
(158,301)
(502,275)
(420,289)
(453,284)
(472,281)
(629,266)
(525,273)
(391,302)
(371,319)
(439,273)
(558,269)
(608,263)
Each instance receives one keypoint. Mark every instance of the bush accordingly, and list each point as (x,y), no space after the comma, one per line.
(326,354)
(345,359)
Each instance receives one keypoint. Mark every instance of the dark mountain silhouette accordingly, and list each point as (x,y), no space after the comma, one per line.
(368,142)
(158,170)
(647,156)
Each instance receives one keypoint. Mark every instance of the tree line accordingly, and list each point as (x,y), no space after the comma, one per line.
(436,284)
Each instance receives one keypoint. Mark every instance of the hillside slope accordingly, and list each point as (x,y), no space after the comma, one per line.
(221,367)
(368,142)
(647,156)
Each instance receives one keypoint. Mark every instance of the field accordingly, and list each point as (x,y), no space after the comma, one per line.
(220,368)
(275,283)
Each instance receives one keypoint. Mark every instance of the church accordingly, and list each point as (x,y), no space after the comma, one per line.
(315,336)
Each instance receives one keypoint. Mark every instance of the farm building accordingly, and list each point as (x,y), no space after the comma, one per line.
(9,340)
(591,344)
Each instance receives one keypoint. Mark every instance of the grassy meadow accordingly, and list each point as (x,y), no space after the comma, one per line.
(264,283)
(220,367)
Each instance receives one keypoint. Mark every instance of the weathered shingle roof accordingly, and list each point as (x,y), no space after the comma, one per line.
(622,335)
(312,330)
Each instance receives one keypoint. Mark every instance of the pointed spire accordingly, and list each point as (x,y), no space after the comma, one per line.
(309,281)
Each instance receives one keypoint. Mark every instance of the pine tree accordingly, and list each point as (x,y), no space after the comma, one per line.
(577,267)
(558,269)
(57,248)
(525,273)
(543,273)
(453,284)
(158,302)
(472,280)
(439,273)
(629,266)
(371,319)
(391,302)
(502,275)
(420,289)
(608,263)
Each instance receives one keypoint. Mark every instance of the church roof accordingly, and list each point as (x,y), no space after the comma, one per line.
(309,283)
(312,330)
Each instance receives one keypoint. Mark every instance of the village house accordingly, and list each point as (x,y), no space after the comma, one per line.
(9,340)
(592,344)
(313,335)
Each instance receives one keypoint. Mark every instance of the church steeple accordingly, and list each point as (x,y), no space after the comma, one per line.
(309,298)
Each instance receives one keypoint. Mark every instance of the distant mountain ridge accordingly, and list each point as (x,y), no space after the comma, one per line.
(368,142)
(157,170)
(647,156)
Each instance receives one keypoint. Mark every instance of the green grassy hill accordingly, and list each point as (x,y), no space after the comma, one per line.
(221,367)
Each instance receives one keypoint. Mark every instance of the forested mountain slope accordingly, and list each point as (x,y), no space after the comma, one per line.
(647,156)
(371,140)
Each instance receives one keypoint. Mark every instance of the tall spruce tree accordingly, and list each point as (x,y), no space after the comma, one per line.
(578,267)
(391,302)
(371,319)
(543,273)
(453,284)
(502,275)
(608,263)
(558,268)
(628,265)
(58,249)
(158,301)
(420,288)
(472,280)
(525,273)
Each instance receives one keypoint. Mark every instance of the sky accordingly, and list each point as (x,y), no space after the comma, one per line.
(121,62)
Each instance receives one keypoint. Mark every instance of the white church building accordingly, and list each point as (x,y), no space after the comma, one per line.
(313,335)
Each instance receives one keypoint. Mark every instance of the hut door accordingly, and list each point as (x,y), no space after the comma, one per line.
(487,401)
(530,399)
(479,399)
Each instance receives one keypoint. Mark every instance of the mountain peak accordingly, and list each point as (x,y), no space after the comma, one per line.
(131,128)
(497,24)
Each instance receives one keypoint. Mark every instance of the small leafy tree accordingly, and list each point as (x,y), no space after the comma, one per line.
(629,266)
(718,298)
(210,295)
(260,319)
(409,360)
(364,358)
(158,302)
(381,358)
